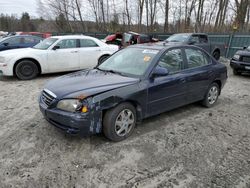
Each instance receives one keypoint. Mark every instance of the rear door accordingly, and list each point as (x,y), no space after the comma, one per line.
(199,71)
(168,92)
(65,58)
(89,53)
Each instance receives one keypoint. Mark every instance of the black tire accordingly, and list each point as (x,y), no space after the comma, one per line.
(235,72)
(216,54)
(207,102)
(112,117)
(26,70)
(102,59)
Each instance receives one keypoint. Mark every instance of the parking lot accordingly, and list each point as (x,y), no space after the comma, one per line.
(189,147)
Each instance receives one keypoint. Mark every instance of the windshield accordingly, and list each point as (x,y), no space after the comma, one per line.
(44,45)
(130,61)
(178,38)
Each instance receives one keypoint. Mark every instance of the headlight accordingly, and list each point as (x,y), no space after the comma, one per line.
(70,105)
(236,57)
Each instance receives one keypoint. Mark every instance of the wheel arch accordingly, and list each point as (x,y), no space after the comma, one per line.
(218,82)
(31,59)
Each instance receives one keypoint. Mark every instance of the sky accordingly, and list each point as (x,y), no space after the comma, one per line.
(18,7)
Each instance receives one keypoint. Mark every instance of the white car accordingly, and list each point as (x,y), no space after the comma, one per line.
(55,54)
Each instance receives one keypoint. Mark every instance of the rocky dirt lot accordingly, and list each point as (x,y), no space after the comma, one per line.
(189,147)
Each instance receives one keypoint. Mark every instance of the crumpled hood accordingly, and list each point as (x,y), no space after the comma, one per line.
(87,83)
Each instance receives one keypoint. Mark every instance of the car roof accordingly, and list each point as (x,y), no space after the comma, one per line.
(163,46)
(73,37)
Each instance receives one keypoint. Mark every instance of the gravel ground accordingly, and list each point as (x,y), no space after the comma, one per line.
(188,147)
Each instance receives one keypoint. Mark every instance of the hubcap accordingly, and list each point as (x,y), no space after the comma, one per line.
(212,95)
(124,122)
(27,70)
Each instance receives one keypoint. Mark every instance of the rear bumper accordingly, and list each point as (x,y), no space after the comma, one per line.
(240,66)
(71,123)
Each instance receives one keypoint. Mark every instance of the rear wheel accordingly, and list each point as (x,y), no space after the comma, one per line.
(216,54)
(211,95)
(119,122)
(26,70)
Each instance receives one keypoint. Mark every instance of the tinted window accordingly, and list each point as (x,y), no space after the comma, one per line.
(203,39)
(172,60)
(14,40)
(196,58)
(87,43)
(67,43)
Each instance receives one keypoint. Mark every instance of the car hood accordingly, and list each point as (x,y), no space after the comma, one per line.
(243,52)
(87,83)
(17,51)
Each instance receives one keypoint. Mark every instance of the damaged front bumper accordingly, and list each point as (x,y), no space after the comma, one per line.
(83,124)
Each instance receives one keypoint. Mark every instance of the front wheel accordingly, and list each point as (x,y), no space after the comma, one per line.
(216,55)
(26,70)
(211,95)
(119,122)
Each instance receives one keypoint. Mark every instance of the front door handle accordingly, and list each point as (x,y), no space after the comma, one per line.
(74,52)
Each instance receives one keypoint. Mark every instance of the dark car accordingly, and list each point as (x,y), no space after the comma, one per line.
(201,40)
(23,41)
(135,83)
(240,62)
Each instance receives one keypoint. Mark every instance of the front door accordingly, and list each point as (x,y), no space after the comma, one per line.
(65,57)
(168,92)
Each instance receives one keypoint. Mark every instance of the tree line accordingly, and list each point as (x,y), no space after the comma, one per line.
(137,15)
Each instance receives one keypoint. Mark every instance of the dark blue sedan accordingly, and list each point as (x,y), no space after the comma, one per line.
(20,41)
(135,83)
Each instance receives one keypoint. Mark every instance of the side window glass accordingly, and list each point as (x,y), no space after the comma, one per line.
(195,39)
(67,43)
(172,60)
(87,43)
(196,58)
(28,40)
(203,39)
(13,41)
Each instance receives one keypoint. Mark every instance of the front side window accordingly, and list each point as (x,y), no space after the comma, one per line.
(87,43)
(67,43)
(196,58)
(12,41)
(172,60)
(130,61)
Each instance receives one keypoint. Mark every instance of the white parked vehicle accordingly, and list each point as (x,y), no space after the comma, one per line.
(55,54)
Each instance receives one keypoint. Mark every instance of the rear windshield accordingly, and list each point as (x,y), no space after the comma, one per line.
(178,38)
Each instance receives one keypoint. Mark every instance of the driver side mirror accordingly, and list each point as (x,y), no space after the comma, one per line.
(159,72)
(56,48)
(6,44)
(245,47)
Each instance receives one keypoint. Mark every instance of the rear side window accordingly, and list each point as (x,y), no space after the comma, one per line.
(172,60)
(203,39)
(28,40)
(196,58)
(87,43)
